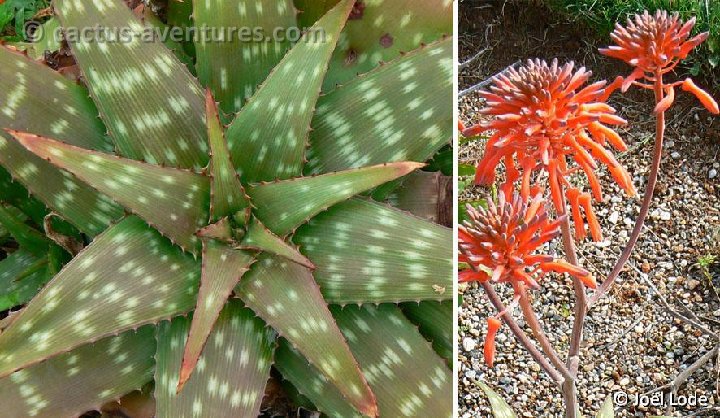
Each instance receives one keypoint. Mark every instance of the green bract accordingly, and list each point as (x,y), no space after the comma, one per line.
(217,251)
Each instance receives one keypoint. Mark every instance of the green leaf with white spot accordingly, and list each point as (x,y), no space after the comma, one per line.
(222,268)
(500,408)
(285,296)
(78,203)
(22,274)
(231,374)
(128,276)
(433,318)
(233,63)
(283,206)
(401,111)
(227,193)
(365,252)
(152,105)
(379,31)
(82,379)
(166,31)
(260,238)
(268,137)
(172,200)
(408,378)
(311,383)
(27,237)
(41,101)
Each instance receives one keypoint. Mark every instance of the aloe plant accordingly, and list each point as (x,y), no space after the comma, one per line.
(216,251)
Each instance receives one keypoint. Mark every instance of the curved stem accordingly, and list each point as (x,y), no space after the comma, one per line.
(540,335)
(647,198)
(520,334)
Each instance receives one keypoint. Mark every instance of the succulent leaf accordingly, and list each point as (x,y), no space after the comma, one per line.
(326,397)
(231,374)
(151,19)
(40,100)
(400,111)
(222,268)
(379,31)
(367,252)
(44,102)
(129,276)
(433,319)
(81,380)
(277,203)
(407,376)
(234,67)
(268,137)
(152,105)
(227,193)
(285,296)
(21,276)
(260,238)
(172,200)
(27,237)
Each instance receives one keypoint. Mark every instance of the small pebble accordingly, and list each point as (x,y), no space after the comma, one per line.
(469,344)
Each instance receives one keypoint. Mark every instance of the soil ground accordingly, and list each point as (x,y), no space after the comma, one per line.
(632,342)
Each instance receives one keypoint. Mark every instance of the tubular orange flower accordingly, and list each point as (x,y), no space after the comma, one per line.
(489,346)
(544,121)
(654,45)
(499,243)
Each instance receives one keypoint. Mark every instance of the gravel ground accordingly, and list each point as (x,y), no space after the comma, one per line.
(632,342)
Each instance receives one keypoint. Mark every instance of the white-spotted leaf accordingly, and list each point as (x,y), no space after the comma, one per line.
(401,111)
(231,373)
(408,378)
(285,296)
(222,268)
(234,63)
(283,206)
(81,380)
(367,252)
(128,276)
(379,31)
(433,318)
(172,200)
(268,137)
(152,105)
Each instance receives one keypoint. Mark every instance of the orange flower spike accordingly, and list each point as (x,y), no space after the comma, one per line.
(489,346)
(654,45)
(706,100)
(539,112)
(502,239)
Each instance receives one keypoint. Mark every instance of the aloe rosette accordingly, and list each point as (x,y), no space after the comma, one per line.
(219,251)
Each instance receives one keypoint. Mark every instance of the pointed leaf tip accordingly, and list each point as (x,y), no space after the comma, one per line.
(173,201)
